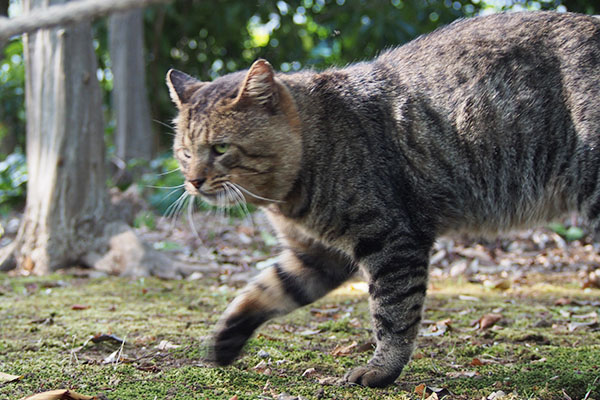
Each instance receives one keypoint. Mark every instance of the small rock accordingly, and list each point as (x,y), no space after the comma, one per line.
(196,275)
(263,354)
(496,395)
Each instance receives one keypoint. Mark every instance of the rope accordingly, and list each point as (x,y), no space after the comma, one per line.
(69,13)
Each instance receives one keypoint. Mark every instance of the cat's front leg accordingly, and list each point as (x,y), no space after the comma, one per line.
(305,273)
(397,285)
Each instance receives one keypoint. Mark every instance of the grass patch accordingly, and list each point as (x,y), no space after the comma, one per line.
(536,350)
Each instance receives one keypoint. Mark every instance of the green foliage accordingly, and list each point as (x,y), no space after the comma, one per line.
(569,233)
(12,93)
(209,39)
(13,176)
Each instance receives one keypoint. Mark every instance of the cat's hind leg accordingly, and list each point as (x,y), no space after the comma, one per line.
(397,285)
(302,275)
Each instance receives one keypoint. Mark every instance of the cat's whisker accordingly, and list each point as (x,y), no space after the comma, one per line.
(190,214)
(181,208)
(255,195)
(220,205)
(241,200)
(163,124)
(171,209)
(166,187)
(168,172)
(172,216)
(166,197)
(171,128)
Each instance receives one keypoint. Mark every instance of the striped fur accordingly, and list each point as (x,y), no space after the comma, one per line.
(485,125)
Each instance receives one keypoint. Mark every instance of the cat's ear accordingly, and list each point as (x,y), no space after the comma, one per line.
(182,86)
(259,85)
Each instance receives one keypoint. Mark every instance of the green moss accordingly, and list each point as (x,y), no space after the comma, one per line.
(529,353)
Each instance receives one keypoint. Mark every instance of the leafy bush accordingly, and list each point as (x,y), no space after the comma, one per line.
(13,176)
(12,96)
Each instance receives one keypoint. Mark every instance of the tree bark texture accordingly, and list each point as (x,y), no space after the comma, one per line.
(69,219)
(133,134)
(67,202)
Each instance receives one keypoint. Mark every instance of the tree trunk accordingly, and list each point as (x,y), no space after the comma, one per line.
(69,219)
(67,202)
(133,134)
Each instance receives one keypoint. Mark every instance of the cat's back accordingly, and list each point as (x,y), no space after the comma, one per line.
(481,39)
(508,105)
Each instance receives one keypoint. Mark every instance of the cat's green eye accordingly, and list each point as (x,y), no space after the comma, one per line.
(220,148)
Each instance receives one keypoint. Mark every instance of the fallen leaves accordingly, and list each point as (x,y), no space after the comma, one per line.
(8,378)
(354,347)
(431,392)
(340,350)
(61,394)
(102,337)
(166,345)
(438,328)
(462,374)
(488,320)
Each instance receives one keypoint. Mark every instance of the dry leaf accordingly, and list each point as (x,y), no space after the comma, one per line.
(112,357)
(166,345)
(79,307)
(467,298)
(496,395)
(499,284)
(7,378)
(367,346)
(462,374)
(61,394)
(343,350)
(309,332)
(576,325)
(489,320)
(420,389)
(476,362)
(438,329)
(101,337)
(592,314)
(234,397)
(563,301)
(309,372)
(324,312)
(329,380)
(261,366)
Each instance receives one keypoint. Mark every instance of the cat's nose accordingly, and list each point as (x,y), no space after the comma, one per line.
(197,182)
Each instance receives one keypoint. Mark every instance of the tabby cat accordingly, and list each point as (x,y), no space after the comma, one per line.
(488,124)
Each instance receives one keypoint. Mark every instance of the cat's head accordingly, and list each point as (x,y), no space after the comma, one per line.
(236,136)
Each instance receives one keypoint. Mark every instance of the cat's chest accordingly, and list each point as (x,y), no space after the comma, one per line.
(306,229)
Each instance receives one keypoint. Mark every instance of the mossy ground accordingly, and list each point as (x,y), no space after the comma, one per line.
(533,352)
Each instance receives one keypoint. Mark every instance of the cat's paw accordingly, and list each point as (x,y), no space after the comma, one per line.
(371,376)
(230,337)
(225,348)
